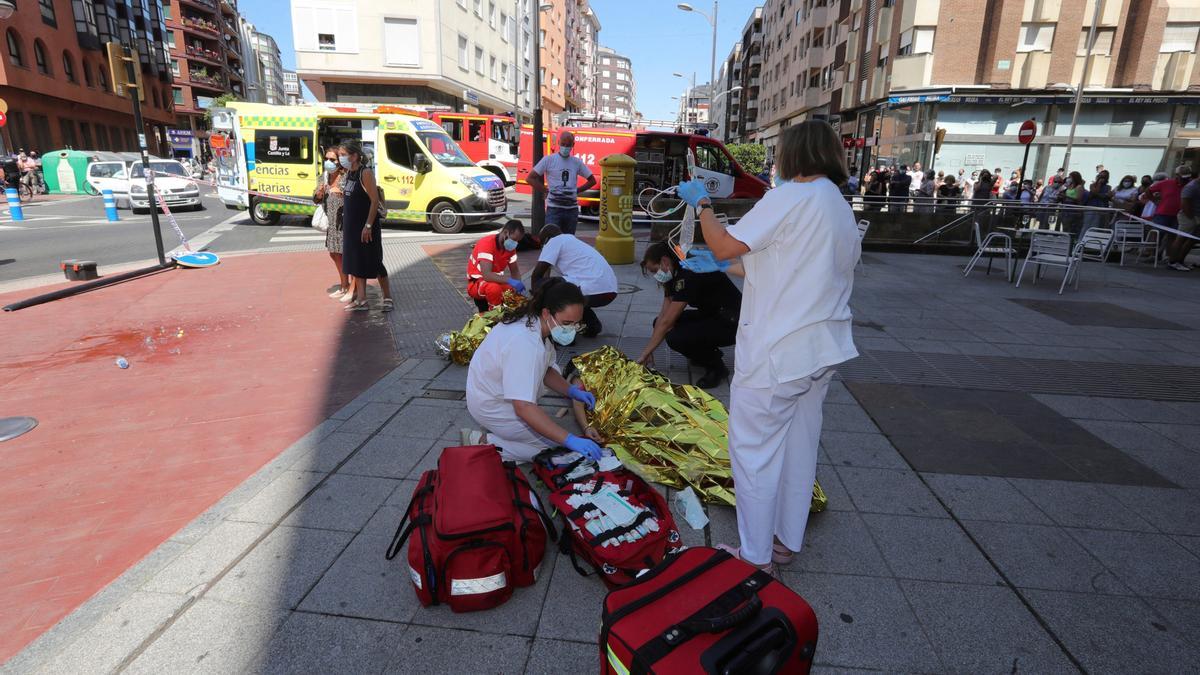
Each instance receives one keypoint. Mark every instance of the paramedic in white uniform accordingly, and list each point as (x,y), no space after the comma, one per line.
(799,245)
(512,365)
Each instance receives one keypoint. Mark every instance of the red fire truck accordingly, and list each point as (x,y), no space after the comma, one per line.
(661,160)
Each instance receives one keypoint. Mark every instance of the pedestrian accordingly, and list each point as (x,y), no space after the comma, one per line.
(1185,219)
(898,190)
(939,179)
(39,179)
(876,190)
(1049,200)
(581,265)
(799,245)
(852,181)
(949,194)
(915,175)
(765,174)
(925,194)
(1125,197)
(1149,198)
(982,191)
(1071,198)
(698,333)
(557,177)
(330,195)
(515,363)
(1099,196)
(362,239)
(1167,195)
(490,258)
(28,171)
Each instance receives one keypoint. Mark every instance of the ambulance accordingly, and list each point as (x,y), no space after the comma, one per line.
(269,159)
(662,160)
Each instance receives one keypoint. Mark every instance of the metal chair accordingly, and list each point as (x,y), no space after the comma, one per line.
(1131,234)
(1052,249)
(863,226)
(1095,244)
(986,247)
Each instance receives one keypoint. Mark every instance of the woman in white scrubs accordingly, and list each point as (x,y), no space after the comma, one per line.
(512,366)
(799,246)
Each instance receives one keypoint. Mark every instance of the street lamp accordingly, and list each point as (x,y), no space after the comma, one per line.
(712,64)
(538,207)
(727,91)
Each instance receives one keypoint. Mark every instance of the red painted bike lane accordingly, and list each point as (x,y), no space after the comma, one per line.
(228,367)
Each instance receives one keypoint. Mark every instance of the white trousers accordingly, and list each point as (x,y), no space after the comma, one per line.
(516,440)
(773,438)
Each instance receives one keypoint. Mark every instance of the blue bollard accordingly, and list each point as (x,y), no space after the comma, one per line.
(14,204)
(110,206)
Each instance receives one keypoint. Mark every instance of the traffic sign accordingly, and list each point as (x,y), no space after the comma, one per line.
(1028,132)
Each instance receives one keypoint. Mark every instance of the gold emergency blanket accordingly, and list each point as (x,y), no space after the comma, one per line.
(464,343)
(672,434)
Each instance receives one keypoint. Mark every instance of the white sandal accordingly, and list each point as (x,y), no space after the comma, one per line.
(387,305)
(357,307)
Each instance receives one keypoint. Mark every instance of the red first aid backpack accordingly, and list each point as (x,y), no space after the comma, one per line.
(477,531)
(616,564)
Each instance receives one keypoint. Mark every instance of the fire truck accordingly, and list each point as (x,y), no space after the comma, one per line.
(661,160)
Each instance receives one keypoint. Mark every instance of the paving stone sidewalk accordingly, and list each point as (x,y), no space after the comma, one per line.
(976,522)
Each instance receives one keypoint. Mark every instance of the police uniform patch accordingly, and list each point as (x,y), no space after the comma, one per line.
(679,284)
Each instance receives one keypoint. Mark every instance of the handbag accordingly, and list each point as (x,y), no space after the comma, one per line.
(320,219)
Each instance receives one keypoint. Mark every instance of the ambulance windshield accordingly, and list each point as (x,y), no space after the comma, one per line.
(443,149)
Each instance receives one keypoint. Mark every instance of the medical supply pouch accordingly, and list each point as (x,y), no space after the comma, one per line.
(613,520)
(704,611)
(476,531)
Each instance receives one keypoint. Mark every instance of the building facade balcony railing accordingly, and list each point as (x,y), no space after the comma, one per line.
(204,54)
(205,80)
(202,26)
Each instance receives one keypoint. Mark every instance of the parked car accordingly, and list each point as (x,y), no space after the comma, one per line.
(171,182)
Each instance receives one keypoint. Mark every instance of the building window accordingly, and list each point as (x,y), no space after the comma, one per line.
(166,12)
(48,17)
(464,54)
(39,57)
(479,65)
(492,13)
(504,76)
(68,67)
(462,3)
(479,8)
(103,73)
(492,68)
(87,74)
(916,41)
(326,42)
(177,93)
(175,67)
(1104,41)
(402,42)
(504,27)
(15,56)
(1036,37)
(171,39)
(1180,37)
(67,128)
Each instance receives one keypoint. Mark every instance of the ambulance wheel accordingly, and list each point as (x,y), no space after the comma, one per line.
(444,218)
(261,216)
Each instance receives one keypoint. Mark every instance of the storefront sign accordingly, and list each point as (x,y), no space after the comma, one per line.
(181,139)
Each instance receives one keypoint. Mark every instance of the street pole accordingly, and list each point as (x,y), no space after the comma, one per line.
(1024,162)
(1087,62)
(139,126)
(712,64)
(516,69)
(538,207)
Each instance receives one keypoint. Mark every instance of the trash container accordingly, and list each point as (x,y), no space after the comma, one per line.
(65,171)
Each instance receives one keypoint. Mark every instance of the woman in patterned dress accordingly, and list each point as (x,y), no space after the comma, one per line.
(329,192)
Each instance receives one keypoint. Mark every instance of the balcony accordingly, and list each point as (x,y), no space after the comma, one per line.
(1173,71)
(912,72)
(203,54)
(1031,70)
(756,60)
(818,16)
(201,26)
(921,13)
(205,80)
(206,5)
(811,99)
(1097,74)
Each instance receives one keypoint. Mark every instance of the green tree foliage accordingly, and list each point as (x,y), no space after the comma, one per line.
(219,102)
(751,156)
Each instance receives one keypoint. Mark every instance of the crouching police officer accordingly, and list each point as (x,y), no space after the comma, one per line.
(697,333)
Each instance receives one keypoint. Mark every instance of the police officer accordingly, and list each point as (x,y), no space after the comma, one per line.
(697,333)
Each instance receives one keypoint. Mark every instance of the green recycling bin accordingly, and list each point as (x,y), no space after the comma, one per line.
(65,171)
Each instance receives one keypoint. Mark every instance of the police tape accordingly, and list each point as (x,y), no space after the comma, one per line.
(308,206)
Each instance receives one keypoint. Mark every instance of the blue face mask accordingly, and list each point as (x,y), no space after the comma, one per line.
(663,276)
(777,180)
(330,165)
(564,151)
(344,160)
(510,244)
(563,335)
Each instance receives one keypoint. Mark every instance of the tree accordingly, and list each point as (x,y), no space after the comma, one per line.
(218,102)
(751,156)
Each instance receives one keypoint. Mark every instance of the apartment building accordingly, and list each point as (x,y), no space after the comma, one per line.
(291,87)
(616,87)
(207,59)
(56,80)
(270,69)
(694,108)
(726,109)
(581,41)
(457,53)
(552,41)
(915,66)
(748,70)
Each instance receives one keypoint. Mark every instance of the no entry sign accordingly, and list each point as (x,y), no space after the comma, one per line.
(1028,132)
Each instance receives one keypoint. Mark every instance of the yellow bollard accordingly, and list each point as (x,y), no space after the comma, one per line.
(615,241)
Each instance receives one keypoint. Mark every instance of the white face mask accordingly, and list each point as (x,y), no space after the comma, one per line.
(663,276)
(564,151)
(563,335)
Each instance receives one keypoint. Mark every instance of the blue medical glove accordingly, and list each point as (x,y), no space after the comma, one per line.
(517,285)
(692,191)
(702,260)
(585,397)
(584,446)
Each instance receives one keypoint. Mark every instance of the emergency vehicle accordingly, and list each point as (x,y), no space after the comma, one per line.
(269,159)
(661,160)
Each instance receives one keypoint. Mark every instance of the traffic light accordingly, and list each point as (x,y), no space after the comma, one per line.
(125,70)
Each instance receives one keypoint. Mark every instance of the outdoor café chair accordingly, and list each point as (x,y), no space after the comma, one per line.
(1095,244)
(996,243)
(1131,234)
(863,226)
(1051,249)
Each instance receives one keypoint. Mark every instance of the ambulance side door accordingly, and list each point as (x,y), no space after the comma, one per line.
(285,162)
(397,173)
(715,168)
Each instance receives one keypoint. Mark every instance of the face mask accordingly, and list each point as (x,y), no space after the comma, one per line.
(563,335)
(344,160)
(330,165)
(777,180)
(663,276)
(564,151)
(510,244)
(1127,184)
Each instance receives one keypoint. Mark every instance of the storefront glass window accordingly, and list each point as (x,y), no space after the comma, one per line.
(1118,121)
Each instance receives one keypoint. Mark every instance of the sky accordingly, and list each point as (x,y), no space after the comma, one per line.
(660,39)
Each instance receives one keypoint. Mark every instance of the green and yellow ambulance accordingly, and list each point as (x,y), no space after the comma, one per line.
(269,159)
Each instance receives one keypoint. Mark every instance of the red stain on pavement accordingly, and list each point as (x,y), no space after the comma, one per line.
(228,367)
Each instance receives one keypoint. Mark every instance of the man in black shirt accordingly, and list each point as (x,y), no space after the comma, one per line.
(898,189)
(697,333)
